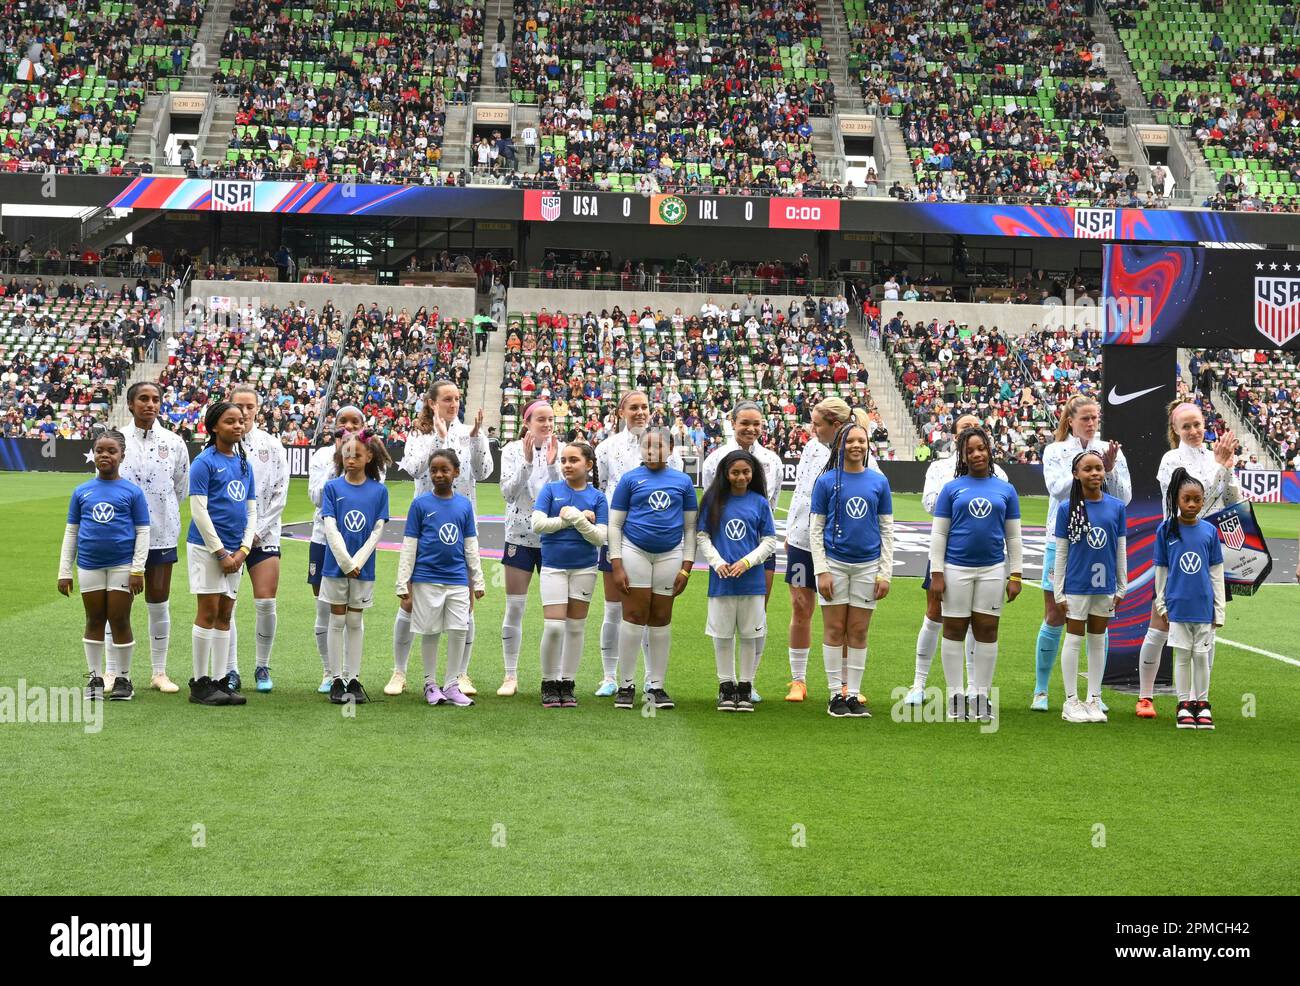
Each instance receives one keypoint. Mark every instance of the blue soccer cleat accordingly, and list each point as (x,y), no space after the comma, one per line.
(263,678)
(1039,704)
(915,696)
(753,695)
(607,688)
(325,684)
(236,682)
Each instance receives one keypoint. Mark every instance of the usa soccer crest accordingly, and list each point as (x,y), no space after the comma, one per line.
(510,550)
(1231,531)
(1277,308)
(1094,224)
(229,195)
(551,206)
(162,451)
(264,454)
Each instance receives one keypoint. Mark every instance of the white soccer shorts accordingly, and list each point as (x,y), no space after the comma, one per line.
(437,608)
(206,576)
(1195,637)
(973,590)
(115,579)
(559,585)
(855,584)
(1082,607)
(653,571)
(352,593)
(736,616)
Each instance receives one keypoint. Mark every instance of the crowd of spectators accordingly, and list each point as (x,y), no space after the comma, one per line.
(1263,385)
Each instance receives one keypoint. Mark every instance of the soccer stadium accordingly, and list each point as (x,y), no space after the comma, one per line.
(400,400)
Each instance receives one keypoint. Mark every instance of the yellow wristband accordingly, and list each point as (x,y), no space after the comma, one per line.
(1013,578)
(748,566)
(685,570)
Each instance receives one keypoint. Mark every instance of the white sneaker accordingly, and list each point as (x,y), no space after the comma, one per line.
(164,684)
(915,696)
(1075,711)
(1093,705)
(508,687)
(396,684)
(466,686)
(108,682)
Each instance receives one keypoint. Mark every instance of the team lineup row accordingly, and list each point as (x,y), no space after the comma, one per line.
(627,513)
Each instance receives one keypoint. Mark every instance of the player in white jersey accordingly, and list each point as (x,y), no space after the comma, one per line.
(747,426)
(527,465)
(1078,429)
(348,421)
(1213,470)
(158,462)
(616,455)
(828,418)
(937,475)
(270,466)
(438,426)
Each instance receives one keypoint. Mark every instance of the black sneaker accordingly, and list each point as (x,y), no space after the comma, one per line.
(204,691)
(625,698)
(356,693)
(744,697)
(122,690)
(1204,718)
(981,709)
(956,711)
(229,687)
(1185,716)
(857,710)
(551,695)
(726,696)
(838,706)
(338,691)
(95,688)
(659,698)
(568,697)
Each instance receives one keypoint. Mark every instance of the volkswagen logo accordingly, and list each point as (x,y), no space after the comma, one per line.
(1096,537)
(354,521)
(103,513)
(448,533)
(235,490)
(736,530)
(856,508)
(1189,562)
(980,508)
(659,500)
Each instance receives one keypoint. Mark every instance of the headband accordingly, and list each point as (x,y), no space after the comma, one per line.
(528,411)
(1185,404)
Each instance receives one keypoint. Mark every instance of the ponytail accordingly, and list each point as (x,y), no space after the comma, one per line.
(210,426)
(1068,411)
(1078,525)
(1177,481)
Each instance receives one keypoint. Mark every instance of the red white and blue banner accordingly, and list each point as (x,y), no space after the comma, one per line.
(1246,560)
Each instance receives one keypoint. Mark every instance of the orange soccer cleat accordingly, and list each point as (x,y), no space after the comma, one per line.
(798,691)
(1146,709)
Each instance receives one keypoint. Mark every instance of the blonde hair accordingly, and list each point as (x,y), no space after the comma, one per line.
(1068,411)
(838,410)
(1170,408)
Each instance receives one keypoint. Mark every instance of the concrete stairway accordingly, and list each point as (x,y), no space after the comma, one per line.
(118,416)
(484,389)
(212,146)
(488,89)
(903,436)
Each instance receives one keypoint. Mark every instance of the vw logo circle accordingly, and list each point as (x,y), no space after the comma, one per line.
(736,530)
(354,520)
(448,533)
(103,513)
(235,490)
(1190,563)
(659,500)
(1096,537)
(856,508)
(980,508)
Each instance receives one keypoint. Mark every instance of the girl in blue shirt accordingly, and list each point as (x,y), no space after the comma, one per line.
(851,533)
(223,508)
(737,535)
(974,539)
(651,550)
(353,509)
(107,538)
(571,516)
(1089,578)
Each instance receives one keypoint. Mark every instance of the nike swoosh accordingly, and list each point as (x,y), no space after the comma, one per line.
(1116,399)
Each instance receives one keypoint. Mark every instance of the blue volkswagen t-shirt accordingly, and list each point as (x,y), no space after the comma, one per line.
(227,482)
(357,510)
(656,502)
(977,510)
(744,522)
(441,526)
(566,548)
(1090,565)
(108,512)
(852,532)
(1189,590)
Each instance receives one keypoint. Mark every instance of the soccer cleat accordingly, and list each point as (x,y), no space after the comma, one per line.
(915,696)
(109,680)
(726,696)
(1203,718)
(568,697)
(204,691)
(227,686)
(857,708)
(234,681)
(1039,704)
(659,698)
(95,688)
(608,687)
(396,684)
(122,690)
(550,694)
(753,695)
(263,678)
(1103,706)
(745,698)
(508,687)
(838,706)
(1185,718)
(356,693)
(454,696)
(956,711)
(432,693)
(1095,711)
(798,691)
(338,691)
(465,686)
(1146,709)
(325,684)
(1075,711)
(164,684)
(625,698)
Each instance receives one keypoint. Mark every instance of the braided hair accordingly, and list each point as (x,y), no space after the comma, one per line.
(1177,481)
(720,489)
(210,426)
(1078,526)
(836,464)
(963,467)
(112,434)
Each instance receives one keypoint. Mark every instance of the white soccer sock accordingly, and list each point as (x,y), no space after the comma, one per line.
(199,644)
(927,642)
(552,649)
(1183,674)
(1149,661)
(218,651)
(267,620)
(857,666)
(121,657)
(799,663)
(610,645)
(402,637)
(429,656)
(970,655)
(468,651)
(645,649)
(629,647)
(951,654)
(750,658)
(160,635)
(575,638)
(986,662)
(660,642)
(1096,663)
(457,655)
(1201,675)
(1209,668)
(512,635)
(724,656)
(232,649)
(1070,651)
(833,661)
(322,633)
(354,643)
(95,656)
(760,642)
(337,633)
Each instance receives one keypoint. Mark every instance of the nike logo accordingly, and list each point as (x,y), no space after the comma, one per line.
(1116,399)
(640,482)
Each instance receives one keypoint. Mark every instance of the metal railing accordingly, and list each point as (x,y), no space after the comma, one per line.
(78,268)
(664,283)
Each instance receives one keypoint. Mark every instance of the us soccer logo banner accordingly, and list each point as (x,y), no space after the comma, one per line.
(1246,561)
(1261,485)
(229,195)
(1277,308)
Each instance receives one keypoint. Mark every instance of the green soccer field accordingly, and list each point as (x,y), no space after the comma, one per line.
(289,795)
